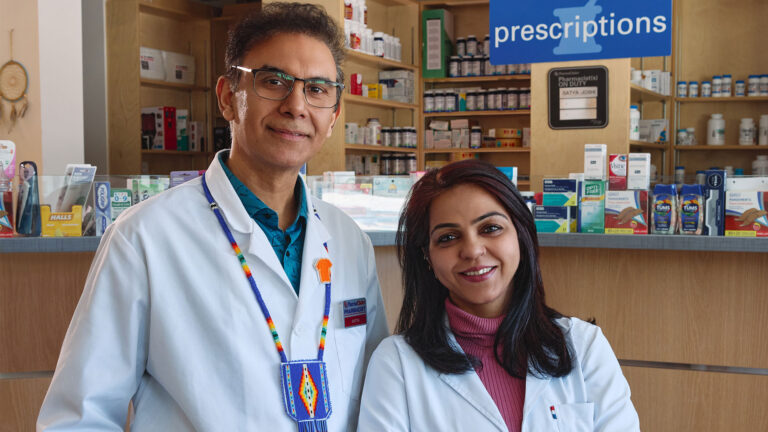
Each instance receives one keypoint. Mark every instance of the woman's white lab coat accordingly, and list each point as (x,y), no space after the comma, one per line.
(402,393)
(168,319)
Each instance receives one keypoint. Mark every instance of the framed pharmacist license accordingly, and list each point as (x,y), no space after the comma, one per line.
(578,97)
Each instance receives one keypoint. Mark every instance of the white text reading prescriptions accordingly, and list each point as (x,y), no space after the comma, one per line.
(579,29)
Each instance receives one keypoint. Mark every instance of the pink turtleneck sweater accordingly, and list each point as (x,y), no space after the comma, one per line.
(475,335)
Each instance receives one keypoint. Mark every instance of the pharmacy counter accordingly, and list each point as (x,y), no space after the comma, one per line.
(387,238)
(685,315)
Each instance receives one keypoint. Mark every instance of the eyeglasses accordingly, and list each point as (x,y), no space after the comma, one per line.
(276,85)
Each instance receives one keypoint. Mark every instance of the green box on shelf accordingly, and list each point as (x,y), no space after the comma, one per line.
(437,37)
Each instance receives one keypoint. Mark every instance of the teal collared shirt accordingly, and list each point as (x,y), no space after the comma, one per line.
(289,244)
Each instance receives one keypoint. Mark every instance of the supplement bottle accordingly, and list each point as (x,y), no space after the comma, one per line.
(762,138)
(664,209)
(740,88)
(378,44)
(461,47)
(706,89)
(374,131)
(716,130)
(763,85)
(693,89)
(725,90)
(747,131)
(472,45)
(692,136)
(682,89)
(691,210)
(679,175)
(634,123)
(753,85)
(476,137)
(717,86)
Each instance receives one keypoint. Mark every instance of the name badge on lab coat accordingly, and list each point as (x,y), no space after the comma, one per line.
(355,312)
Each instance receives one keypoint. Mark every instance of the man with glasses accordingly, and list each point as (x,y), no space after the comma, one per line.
(234,302)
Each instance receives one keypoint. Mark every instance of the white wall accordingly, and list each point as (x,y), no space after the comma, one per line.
(61,83)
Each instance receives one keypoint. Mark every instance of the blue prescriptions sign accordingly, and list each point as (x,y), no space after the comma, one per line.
(535,31)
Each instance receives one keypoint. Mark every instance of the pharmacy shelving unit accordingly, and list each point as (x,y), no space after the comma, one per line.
(173,25)
(471,17)
(398,18)
(652,105)
(701,54)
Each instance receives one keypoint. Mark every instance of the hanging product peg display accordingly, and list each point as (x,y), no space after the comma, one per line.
(14,83)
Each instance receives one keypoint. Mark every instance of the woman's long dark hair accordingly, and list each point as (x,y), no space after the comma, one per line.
(528,338)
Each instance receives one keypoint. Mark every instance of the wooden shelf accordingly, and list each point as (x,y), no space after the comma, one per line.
(722,99)
(453,3)
(381,103)
(722,148)
(649,145)
(173,86)
(378,148)
(174,153)
(642,94)
(168,12)
(480,150)
(480,79)
(396,2)
(358,56)
(500,113)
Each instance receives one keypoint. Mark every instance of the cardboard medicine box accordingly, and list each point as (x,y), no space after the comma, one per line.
(626,212)
(552,219)
(437,25)
(639,171)
(595,161)
(560,192)
(714,203)
(745,214)
(592,207)
(617,172)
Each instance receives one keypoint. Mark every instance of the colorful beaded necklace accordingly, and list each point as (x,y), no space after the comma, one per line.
(304,402)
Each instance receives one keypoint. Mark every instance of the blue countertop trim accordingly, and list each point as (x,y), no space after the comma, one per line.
(387,238)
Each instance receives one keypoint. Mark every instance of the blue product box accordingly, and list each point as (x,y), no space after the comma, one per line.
(102,206)
(560,192)
(552,219)
(510,172)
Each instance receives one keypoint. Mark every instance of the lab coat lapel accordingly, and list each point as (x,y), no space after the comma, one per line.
(469,387)
(240,222)
(311,291)
(534,387)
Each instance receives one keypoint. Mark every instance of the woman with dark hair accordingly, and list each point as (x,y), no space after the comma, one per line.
(477,348)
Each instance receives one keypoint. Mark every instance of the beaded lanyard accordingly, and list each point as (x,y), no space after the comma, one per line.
(309,406)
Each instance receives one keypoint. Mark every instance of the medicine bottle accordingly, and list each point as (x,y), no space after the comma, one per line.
(499,94)
(471,100)
(690,210)
(753,85)
(477,65)
(693,89)
(450,101)
(439,101)
(717,86)
(726,88)
(378,44)
(386,136)
(429,101)
(634,123)
(513,99)
(487,45)
(762,138)
(412,166)
(760,166)
(453,66)
(461,47)
(664,209)
(763,85)
(487,66)
(374,131)
(476,137)
(747,131)
(716,130)
(682,89)
(741,88)
(480,102)
(679,174)
(706,89)
(682,137)
(471,45)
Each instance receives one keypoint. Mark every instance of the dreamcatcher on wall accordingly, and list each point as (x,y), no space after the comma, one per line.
(14,83)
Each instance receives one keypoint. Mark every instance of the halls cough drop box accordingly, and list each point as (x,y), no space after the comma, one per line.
(63,224)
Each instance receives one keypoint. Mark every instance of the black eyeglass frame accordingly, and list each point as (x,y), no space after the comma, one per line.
(293,79)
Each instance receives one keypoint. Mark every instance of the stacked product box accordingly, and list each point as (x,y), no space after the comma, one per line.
(399,84)
(592,191)
(559,209)
(626,212)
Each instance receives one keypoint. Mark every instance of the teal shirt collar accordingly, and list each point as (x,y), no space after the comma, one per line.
(256,208)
